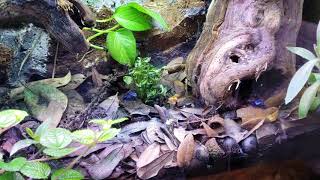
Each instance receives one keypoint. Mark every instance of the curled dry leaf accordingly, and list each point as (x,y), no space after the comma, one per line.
(152,169)
(151,153)
(111,106)
(185,151)
(55,82)
(210,132)
(256,114)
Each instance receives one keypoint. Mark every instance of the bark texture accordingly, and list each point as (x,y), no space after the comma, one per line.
(54,15)
(241,40)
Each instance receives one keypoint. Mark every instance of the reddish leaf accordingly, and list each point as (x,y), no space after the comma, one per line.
(185,151)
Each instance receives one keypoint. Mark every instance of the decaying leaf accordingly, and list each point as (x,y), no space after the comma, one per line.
(137,107)
(210,132)
(96,78)
(46,102)
(55,82)
(186,151)
(153,168)
(104,168)
(111,106)
(76,81)
(151,153)
(251,115)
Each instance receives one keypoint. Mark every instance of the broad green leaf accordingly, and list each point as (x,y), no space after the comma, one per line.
(14,165)
(84,136)
(299,80)
(117,121)
(156,16)
(57,138)
(108,134)
(11,117)
(36,170)
(21,144)
(128,80)
(307,99)
(66,174)
(305,53)
(106,124)
(11,176)
(58,153)
(132,19)
(122,46)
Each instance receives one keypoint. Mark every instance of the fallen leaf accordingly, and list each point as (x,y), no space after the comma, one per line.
(251,115)
(256,127)
(55,82)
(76,81)
(180,133)
(170,144)
(185,151)
(153,168)
(111,106)
(104,168)
(187,112)
(210,132)
(96,78)
(36,95)
(137,107)
(151,153)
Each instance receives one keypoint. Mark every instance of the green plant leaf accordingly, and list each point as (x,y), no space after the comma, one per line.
(66,174)
(84,136)
(11,176)
(21,144)
(11,117)
(58,153)
(14,165)
(106,124)
(30,133)
(315,104)
(43,128)
(307,99)
(56,138)
(108,134)
(299,80)
(305,53)
(156,16)
(132,19)
(128,80)
(36,170)
(122,46)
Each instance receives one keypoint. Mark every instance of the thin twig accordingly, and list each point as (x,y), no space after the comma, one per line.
(55,61)
(35,42)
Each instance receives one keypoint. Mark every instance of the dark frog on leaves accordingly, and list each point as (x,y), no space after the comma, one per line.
(54,16)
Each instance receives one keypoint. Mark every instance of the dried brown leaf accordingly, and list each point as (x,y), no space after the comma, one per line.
(111,106)
(185,151)
(96,78)
(253,114)
(210,132)
(151,153)
(153,168)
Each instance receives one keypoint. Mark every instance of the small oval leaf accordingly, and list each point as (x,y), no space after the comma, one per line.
(84,136)
(66,174)
(58,153)
(57,138)
(11,117)
(36,170)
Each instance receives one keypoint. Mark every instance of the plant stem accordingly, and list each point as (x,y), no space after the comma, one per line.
(96,47)
(43,159)
(70,166)
(102,32)
(104,20)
